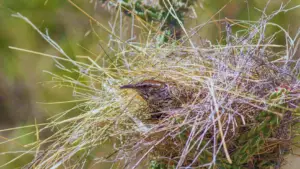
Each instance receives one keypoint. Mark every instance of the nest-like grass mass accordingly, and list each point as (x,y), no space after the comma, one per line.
(243,116)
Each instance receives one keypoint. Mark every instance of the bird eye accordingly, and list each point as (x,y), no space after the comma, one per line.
(145,85)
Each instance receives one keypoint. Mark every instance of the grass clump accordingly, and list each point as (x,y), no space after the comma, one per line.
(245,114)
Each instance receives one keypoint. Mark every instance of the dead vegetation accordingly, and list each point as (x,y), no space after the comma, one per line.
(245,116)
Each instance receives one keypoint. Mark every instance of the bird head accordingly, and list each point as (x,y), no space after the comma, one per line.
(146,87)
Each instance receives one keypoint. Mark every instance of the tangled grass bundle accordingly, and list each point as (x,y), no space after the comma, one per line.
(245,118)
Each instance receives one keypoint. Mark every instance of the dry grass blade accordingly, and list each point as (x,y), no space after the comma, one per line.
(243,98)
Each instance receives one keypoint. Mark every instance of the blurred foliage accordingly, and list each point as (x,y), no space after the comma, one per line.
(21,73)
(159,12)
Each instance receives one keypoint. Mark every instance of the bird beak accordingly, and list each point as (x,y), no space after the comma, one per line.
(129,86)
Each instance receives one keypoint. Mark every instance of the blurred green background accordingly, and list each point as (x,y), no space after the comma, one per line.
(23,84)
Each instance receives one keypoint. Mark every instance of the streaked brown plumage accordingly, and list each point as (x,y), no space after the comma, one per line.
(160,96)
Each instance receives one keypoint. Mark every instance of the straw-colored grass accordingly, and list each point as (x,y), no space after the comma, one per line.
(243,115)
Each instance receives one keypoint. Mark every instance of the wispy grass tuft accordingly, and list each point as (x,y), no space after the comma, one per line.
(245,113)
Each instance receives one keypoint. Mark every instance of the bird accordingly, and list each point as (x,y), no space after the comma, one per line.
(160,96)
